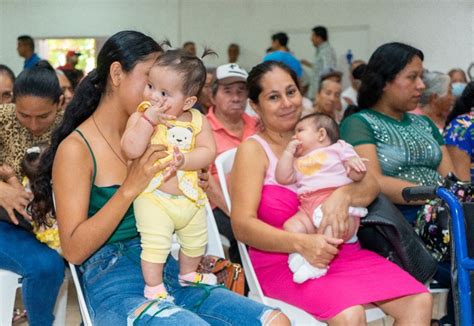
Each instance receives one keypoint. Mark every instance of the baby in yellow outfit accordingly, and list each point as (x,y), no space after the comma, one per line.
(173,201)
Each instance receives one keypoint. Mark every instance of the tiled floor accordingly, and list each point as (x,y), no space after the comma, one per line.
(73,317)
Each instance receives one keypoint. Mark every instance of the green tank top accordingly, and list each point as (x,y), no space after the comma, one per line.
(100,196)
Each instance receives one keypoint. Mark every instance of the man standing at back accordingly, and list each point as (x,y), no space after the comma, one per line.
(280,52)
(325,58)
(26,49)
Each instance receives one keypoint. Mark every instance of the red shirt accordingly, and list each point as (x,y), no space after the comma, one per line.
(225,139)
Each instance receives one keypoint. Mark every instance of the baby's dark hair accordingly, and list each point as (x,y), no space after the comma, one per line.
(322,120)
(31,160)
(190,67)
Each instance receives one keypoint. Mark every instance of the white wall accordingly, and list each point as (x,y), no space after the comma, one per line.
(443,29)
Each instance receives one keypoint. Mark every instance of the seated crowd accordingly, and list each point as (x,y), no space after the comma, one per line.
(129,152)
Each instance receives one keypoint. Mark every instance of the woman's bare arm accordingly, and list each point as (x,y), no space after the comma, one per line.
(462,169)
(81,235)
(446,164)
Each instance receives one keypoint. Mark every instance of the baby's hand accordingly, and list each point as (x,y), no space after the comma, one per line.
(175,164)
(356,165)
(293,146)
(157,112)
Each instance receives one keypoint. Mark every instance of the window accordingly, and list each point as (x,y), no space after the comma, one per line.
(54,50)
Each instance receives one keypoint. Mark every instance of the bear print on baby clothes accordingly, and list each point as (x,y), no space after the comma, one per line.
(181,137)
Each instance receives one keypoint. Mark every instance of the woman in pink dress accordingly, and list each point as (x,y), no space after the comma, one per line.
(260,206)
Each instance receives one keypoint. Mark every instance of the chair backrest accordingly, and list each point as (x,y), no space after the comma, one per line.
(214,243)
(224,163)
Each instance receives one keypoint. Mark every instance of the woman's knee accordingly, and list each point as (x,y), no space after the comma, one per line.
(275,318)
(422,302)
(48,265)
(351,316)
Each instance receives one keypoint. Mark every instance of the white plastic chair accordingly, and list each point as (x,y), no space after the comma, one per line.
(214,247)
(10,282)
(86,318)
(224,163)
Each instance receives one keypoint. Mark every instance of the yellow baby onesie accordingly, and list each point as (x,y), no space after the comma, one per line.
(181,134)
(158,215)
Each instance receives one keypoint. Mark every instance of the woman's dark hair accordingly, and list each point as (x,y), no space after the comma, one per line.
(5,70)
(464,104)
(40,81)
(126,47)
(384,65)
(254,79)
(31,161)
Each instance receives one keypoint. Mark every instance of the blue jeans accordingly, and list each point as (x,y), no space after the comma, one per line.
(113,285)
(42,270)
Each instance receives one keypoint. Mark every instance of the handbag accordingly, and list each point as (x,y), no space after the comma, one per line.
(228,274)
(433,220)
(385,231)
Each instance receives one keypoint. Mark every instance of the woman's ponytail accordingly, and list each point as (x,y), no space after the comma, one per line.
(126,47)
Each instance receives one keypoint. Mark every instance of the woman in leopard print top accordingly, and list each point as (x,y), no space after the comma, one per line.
(30,121)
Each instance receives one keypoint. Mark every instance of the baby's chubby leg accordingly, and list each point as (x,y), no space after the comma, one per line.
(302,270)
(355,213)
(299,223)
(187,271)
(193,240)
(153,275)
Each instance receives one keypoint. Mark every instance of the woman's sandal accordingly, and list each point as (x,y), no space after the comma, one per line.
(19,316)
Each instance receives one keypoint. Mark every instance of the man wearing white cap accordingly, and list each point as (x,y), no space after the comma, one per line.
(230,125)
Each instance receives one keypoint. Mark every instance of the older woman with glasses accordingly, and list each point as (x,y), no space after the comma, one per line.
(7,79)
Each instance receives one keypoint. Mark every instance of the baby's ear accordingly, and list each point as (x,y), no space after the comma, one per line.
(189,102)
(322,134)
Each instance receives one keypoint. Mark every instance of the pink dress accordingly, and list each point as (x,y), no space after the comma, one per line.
(356,276)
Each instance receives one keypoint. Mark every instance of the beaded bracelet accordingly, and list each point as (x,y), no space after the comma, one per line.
(149,121)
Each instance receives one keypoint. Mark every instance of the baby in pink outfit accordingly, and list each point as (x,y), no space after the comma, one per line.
(319,163)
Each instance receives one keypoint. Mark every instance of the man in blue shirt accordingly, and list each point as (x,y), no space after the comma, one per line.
(26,49)
(280,52)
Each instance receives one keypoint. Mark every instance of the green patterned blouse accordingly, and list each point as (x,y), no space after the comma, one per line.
(408,149)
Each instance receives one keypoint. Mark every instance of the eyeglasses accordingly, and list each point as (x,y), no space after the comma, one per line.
(6,96)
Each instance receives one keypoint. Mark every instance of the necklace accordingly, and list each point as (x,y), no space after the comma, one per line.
(110,146)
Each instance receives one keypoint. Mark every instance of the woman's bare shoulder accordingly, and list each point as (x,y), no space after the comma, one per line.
(250,144)
(72,148)
(250,150)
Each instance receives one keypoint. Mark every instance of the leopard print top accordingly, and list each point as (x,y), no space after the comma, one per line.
(15,139)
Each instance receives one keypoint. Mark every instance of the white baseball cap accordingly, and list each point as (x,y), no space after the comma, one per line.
(230,73)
